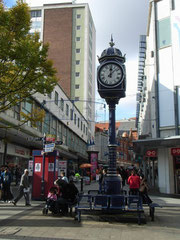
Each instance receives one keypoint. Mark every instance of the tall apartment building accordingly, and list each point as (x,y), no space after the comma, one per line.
(70,32)
(158,98)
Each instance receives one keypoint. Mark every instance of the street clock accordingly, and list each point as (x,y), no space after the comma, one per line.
(111,74)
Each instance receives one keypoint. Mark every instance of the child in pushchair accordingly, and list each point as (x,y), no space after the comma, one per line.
(51,201)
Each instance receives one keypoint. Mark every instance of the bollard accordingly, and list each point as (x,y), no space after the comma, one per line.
(82,184)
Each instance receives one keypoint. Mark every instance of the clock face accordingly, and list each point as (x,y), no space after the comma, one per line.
(110,74)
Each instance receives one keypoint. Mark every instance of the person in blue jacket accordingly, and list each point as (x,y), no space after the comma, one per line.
(6,183)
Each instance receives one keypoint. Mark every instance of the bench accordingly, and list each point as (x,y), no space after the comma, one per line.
(109,204)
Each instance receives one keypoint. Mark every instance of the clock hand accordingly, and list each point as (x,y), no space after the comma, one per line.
(113,70)
(110,74)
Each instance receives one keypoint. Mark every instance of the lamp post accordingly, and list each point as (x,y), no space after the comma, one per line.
(43,169)
(111,80)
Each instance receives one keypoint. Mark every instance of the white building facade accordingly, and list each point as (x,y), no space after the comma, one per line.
(158,98)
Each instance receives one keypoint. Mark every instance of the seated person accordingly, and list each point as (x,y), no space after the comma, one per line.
(68,194)
(51,199)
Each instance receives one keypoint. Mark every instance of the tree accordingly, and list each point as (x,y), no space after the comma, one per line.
(24,65)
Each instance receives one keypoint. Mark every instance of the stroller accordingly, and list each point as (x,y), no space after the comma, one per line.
(51,202)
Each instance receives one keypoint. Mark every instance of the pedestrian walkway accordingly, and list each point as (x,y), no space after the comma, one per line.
(28,223)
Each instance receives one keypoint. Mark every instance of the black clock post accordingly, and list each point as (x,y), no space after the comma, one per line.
(111,80)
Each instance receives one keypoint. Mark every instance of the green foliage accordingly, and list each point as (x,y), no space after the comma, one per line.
(24,67)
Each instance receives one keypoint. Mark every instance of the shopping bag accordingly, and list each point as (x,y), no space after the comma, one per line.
(26,190)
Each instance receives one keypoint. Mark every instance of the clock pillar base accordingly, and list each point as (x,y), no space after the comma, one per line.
(112,185)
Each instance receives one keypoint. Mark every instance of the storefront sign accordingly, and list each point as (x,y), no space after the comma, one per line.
(175,151)
(151,153)
(18,151)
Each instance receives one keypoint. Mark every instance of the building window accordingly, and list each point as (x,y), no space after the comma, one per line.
(78,15)
(77,74)
(77,86)
(164,33)
(46,125)
(71,114)
(59,131)
(53,126)
(78,27)
(35,13)
(78,50)
(84,129)
(78,39)
(56,98)
(78,122)
(27,109)
(36,24)
(81,125)
(67,110)
(17,111)
(77,62)
(75,119)
(62,104)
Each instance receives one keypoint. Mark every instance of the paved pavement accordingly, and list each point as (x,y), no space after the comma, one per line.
(28,223)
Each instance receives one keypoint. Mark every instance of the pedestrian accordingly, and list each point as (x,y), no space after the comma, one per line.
(123,175)
(23,189)
(68,193)
(102,175)
(6,179)
(143,190)
(17,175)
(134,183)
(63,177)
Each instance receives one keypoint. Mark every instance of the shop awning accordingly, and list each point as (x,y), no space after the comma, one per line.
(143,144)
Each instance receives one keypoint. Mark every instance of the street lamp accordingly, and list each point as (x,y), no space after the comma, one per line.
(111,81)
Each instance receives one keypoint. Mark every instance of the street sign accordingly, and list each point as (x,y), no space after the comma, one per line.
(49,147)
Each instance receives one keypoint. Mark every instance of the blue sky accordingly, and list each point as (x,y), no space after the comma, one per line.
(126,20)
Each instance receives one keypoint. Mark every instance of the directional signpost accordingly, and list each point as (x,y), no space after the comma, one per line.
(49,147)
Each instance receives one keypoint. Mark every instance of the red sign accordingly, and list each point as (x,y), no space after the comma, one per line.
(50,138)
(151,153)
(175,151)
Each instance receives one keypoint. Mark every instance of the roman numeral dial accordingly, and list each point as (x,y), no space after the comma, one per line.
(110,74)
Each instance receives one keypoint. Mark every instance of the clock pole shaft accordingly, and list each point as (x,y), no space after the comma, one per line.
(112,139)
(112,181)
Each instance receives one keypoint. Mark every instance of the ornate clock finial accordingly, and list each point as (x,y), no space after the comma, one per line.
(111,42)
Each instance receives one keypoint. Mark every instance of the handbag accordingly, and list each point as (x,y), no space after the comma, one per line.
(142,188)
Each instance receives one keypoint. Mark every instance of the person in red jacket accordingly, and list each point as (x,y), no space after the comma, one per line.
(134,183)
